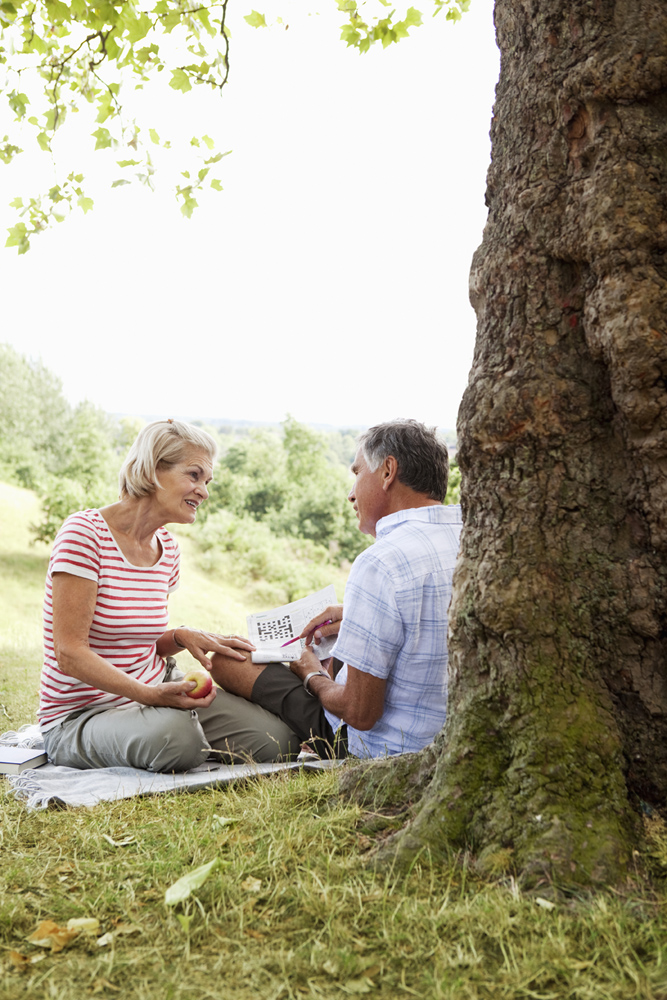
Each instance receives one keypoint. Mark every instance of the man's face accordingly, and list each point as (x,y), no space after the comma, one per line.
(367,496)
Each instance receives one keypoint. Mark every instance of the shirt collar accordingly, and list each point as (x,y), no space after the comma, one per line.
(433,513)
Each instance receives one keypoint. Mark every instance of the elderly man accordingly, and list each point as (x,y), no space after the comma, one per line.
(390,694)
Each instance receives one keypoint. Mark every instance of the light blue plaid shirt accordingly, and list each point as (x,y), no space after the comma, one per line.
(395,626)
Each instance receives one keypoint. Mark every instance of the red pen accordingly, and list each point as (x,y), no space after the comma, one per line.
(290,641)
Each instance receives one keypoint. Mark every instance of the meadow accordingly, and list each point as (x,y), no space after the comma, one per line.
(295,907)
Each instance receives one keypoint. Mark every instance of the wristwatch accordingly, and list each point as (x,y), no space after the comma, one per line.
(313,673)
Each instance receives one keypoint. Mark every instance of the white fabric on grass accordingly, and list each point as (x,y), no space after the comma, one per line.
(49,785)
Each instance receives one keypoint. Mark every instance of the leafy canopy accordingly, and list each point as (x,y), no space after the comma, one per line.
(56,58)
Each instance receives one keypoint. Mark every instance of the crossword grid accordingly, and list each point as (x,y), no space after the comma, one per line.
(272,629)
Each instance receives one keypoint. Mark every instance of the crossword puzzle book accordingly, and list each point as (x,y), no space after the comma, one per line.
(269,630)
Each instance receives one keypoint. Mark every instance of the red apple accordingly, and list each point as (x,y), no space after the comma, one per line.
(202,679)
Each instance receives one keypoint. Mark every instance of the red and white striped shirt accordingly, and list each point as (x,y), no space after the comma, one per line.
(130,613)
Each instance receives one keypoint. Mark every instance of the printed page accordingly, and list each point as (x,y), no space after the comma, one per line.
(270,629)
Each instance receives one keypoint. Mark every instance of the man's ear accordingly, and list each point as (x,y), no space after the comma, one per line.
(389,471)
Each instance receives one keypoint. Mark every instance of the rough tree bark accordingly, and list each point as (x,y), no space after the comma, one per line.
(557,730)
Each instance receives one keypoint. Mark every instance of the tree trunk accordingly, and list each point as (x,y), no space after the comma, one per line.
(557,730)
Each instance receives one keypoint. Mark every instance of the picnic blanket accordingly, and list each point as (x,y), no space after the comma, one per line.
(50,785)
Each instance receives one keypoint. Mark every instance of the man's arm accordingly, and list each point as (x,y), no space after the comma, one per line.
(359,702)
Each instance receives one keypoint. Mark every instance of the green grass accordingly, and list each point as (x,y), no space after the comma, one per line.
(296,910)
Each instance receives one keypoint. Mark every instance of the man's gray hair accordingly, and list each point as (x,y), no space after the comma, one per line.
(161,444)
(422,458)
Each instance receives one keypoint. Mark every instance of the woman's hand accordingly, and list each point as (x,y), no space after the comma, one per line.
(333,614)
(199,643)
(175,694)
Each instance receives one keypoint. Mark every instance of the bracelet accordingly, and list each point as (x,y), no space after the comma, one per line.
(176,642)
(313,673)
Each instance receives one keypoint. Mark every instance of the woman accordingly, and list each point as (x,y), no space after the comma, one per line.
(110,694)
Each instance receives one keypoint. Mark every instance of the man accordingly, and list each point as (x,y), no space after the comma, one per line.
(390,695)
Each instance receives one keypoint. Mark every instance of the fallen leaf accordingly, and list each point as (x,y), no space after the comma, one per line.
(106,939)
(546,904)
(251,884)
(254,934)
(119,843)
(358,986)
(123,928)
(22,962)
(87,925)
(223,820)
(180,890)
(51,935)
(103,984)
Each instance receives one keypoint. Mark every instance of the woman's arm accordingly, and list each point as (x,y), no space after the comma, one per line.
(200,643)
(73,608)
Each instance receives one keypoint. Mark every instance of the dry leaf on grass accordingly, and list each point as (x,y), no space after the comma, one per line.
(86,925)
(21,962)
(123,928)
(119,843)
(251,884)
(103,984)
(51,935)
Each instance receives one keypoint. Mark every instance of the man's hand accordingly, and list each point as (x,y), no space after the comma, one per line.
(312,631)
(306,663)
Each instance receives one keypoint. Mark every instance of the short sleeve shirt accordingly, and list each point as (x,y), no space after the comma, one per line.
(130,613)
(395,626)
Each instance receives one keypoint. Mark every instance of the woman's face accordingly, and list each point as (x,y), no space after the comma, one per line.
(184,487)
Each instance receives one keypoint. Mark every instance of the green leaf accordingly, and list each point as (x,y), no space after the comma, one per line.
(185,886)
(128,163)
(119,183)
(180,81)
(105,108)
(85,204)
(102,138)
(255,19)
(188,206)
(43,140)
(17,103)
(154,136)
(57,11)
(18,237)
(136,28)
(209,142)
(216,184)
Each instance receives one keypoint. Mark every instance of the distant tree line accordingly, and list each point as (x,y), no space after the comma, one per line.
(278,500)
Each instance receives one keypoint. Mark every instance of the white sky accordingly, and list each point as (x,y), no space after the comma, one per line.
(329,279)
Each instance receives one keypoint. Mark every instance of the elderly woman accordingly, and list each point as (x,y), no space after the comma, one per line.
(110,694)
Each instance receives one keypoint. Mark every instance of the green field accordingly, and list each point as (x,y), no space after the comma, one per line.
(296,908)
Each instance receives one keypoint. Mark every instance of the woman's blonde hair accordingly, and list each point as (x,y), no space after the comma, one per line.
(160,444)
